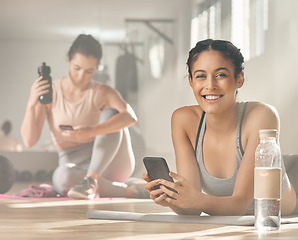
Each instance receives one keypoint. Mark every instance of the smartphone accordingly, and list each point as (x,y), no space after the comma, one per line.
(65,127)
(157,168)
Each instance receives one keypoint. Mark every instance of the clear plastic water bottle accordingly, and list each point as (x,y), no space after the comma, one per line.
(267,182)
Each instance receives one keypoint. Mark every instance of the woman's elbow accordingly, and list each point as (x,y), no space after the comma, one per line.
(29,143)
(288,201)
(131,113)
(134,121)
(240,206)
(182,211)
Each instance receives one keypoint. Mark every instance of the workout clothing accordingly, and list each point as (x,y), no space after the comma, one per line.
(225,187)
(109,155)
(84,112)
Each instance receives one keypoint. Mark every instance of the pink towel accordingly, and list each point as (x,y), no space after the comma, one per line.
(38,191)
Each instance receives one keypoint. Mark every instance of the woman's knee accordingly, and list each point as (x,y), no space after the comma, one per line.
(66,176)
(111,140)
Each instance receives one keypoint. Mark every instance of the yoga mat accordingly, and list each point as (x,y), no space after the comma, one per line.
(174,218)
(5,196)
(171,218)
(34,198)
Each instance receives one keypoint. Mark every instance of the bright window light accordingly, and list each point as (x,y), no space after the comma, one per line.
(207,24)
(194,38)
(240,26)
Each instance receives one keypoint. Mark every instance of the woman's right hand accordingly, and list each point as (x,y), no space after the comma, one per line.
(157,195)
(39,87)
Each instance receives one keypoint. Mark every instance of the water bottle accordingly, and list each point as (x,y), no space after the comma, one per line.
(45,71)
(267,182)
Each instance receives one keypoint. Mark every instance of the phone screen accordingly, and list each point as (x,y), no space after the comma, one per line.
(157,168)
(65,127)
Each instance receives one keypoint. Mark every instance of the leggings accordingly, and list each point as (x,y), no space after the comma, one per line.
(110,156)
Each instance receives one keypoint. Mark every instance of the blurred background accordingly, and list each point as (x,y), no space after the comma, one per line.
(155,35)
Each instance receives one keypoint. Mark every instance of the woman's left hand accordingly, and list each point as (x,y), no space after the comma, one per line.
(78,133)
(187,196)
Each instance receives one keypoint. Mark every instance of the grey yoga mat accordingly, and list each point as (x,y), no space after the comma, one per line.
(174,218)
(171,218)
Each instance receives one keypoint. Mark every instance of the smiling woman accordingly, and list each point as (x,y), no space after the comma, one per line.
(215,146)
(214,79)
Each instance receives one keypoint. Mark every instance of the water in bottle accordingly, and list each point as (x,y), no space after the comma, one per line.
(267,182)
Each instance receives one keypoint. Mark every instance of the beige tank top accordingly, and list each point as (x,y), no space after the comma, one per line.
(82,113)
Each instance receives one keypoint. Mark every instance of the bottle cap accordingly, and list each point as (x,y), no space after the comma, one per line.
(44,69)
(263,133)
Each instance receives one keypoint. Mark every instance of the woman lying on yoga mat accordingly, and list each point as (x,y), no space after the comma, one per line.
(96,155)
(215,141)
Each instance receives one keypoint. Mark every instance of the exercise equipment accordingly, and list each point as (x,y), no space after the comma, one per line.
(7,175)
(26,176)
(41,175)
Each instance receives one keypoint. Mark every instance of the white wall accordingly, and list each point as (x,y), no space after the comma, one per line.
(19,63)
(158,98)
(270,78)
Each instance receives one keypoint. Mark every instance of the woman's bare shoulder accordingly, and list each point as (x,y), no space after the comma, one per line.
(262,115)
(192,110)
(187,115)
(259,108)
(100,86)
(104,91)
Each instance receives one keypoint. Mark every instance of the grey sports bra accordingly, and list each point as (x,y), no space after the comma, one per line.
(225,187)
(210,184)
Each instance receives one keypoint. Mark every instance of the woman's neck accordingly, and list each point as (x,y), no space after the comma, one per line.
(223,122)
(68,84)
(71,91)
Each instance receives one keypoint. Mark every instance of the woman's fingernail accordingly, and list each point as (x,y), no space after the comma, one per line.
(158,181)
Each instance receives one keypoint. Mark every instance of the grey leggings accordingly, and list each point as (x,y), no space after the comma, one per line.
(110,156)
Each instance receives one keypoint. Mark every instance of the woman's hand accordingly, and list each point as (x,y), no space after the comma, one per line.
(39,87)
(79,133)
(187,198)
(157,195)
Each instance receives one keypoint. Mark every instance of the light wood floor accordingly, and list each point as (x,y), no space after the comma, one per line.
(40,219)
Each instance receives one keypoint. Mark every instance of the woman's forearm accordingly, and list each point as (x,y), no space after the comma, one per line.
(115,123)
(230,205)
(212,205)
(32,125)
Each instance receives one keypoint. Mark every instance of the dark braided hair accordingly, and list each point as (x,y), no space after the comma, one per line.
(226,48)
(86,45)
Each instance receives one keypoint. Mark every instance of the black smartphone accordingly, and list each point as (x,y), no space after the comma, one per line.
(157,168)
(65,127)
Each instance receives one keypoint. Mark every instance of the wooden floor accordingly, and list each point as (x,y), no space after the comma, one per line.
(64,219)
